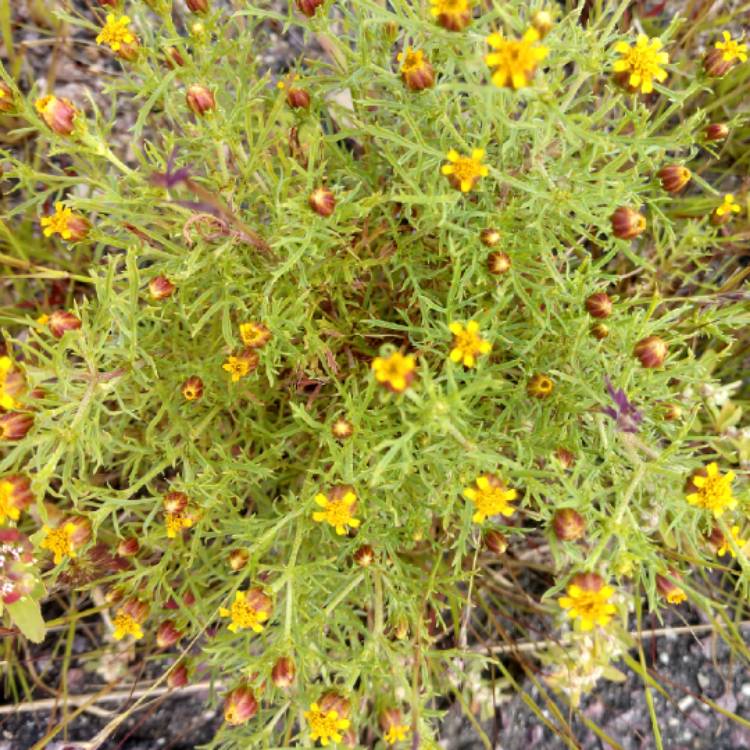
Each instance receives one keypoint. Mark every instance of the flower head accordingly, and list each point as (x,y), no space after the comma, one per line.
(59,541)
(240,366)
(339,507)
(192,388)
(59,113)
(627,223)
(540,386)
(463,172)
(588,601)
(416,71)
(116,33)
(467,343)
(128,620)
(395,372)
(6,97)
(240,706)
(176,522)
(669,589)
(454,15)
(394,730)
(674,177)
(490,496)
(713,491)
(724,212)
(15,496)
(732,49)
(12,384)
(64,222)
(515,60)
(250,609)
(15,425)
(628,418)
(640,64)
(726,545)
(254,335)
(325,725)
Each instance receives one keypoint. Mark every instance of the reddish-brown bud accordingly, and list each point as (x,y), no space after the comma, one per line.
(568,525)
(175,502)
(15,425)
(416,71)
(136,609)
(128,547)
(627,223)
(178,677)
(490,237)
(238,559)
(332,701)
(240,705)
(498,263)
(565,457)
(588,581)
(599,305)
(600,331)
(364,556)
(174,58)
(715,538)
(715,65)
(455,20)
(81,531)
(672,412)
(651,351)
(192,388)
(197,6)
(308,7)
(160,287)
(390,717)
(188,599)
(200,99)
(59,114)
(674,177)
(15,495)
(543,21)
(716,131)
(342,429)
(495,541)
(167,634)
(322,201)
(61,321)
(669,589)
(298,98)
(283,672)
(7,103)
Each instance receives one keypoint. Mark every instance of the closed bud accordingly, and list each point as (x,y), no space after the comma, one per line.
(128,547)
(308,7)
(715,64)
(240,705)
(178,677)
(627,223)
(364,556)
(6,98)
(81,533)
(342,429)
(283,672)
(59,114)
(298,98)
(128,51)
(716,131)
(136,609)
(192,388)
(332,701)
(495,541)
(197,6)
(498,263)
(15,496)
(543,22)
(489,237)
(61,321)
(167,634)
(15,425)
(401,629)
(200,99)
(672,412)
(568,525)
(651,351)
(565,457)
(175,502)
(592,582)
(600,331)
(238,559)
(453,19)
(174,58)
(599,305)
(160,287)
(669,589)
(674,177)
(322,201)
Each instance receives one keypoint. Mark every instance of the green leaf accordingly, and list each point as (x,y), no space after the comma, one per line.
(26,614)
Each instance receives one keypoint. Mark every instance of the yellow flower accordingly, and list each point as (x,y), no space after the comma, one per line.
(729,205)
(249,609)
(240,366)
(64,222)
(59,541)
(490,496)
(395,372)
(116,32)
(464,171)
(396,733)
(339,507)
(467,343)
(714,491)
(325,725)
(175,523)
(416,71)
(588,600)
(727,547)
(11,384)
(642,63)
(453,15)
(254,335)
(126,624)
(515,60)
(733,49)
(676,596)
(540,386)
(8,507)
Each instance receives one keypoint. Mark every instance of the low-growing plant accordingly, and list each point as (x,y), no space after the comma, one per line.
(332,376)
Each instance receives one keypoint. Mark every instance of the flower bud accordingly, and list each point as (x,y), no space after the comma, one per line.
(588,581)
(599,305)
(672,412)
(716,131)
(197,6)
(715,64)
(600,331)
(238,559)
(128,547)
(627,223)
(401,629)
(322,201)
(540,386)
(390,717)
(81,533)
(188,599)
(178,677)
(674,177)
(715,538)
(175,502)
(14,425)
(6,98)
(160,287)
(495,541)
(332,701)
(342,429)
(364,556)
(283,673)
(167,634)
(568,525)
(59,114)
(174,58)
(308,7)
(192,388)
(240,705)
(489,237)
(498,263)
(15,496)
(453,20)
(651,351)
(543,22)
(669,589)
(61,321)
(298,98)
(200,99)
(417,72)
(565,457)
(135,608)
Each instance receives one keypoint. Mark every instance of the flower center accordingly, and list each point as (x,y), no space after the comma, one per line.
(467,341)
(126,624)
(714,492)
(58,542)
(338,512)
(412,61)
(491,501)
(644,61)
(244,615)
(324,725)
